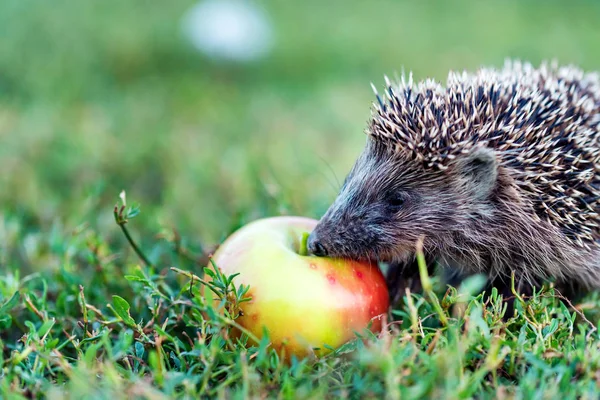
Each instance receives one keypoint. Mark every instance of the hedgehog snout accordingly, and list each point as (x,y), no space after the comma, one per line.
(316,247)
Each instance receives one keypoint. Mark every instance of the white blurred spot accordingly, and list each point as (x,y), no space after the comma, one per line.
(230,30)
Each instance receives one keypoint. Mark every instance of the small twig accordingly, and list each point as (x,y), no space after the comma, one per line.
(94,309)
(197,279)
(83,309)
(191,285)
(184,333)
(137,250)
(579,312)
(121,220)
(34,309)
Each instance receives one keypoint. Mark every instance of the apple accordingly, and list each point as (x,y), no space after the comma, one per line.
(305,302)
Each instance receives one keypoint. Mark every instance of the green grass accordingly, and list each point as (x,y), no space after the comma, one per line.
(104,95)
(101,328)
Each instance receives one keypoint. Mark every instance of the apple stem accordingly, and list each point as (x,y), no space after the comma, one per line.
(303,250)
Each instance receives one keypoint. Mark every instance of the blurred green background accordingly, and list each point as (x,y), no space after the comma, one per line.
(100,96)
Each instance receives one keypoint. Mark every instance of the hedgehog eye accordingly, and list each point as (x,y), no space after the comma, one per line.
(397,200)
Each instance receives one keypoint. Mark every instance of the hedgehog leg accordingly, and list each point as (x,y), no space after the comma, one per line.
(405,275)
(398,280)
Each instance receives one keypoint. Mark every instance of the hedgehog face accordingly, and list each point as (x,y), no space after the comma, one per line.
(388,201)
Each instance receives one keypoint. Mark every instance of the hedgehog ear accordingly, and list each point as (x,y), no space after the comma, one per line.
(480,170)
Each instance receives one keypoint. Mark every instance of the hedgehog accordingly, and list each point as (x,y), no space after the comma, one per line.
(497,172)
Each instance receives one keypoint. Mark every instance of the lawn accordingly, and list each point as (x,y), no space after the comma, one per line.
(100,96)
